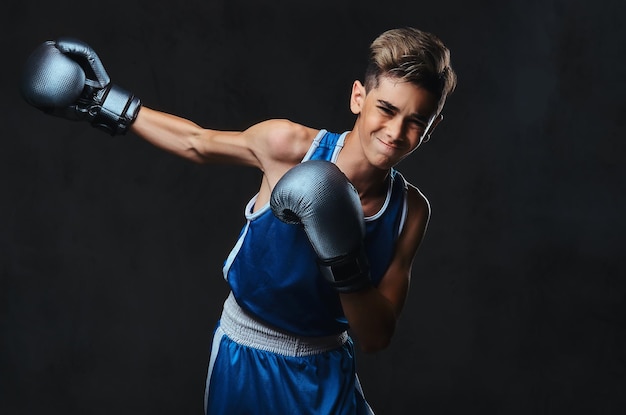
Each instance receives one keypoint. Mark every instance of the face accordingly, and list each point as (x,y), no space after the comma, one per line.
(393,119)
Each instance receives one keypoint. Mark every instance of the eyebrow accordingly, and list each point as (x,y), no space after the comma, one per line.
(393,108)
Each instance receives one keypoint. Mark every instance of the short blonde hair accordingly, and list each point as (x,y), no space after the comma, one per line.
(413,56)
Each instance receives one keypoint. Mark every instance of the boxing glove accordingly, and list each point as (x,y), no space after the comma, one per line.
(318,196)
(66,78)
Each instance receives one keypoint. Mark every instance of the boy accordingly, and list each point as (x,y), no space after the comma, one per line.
(281,345)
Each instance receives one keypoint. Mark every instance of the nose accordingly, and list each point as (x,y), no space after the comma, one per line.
(395,128)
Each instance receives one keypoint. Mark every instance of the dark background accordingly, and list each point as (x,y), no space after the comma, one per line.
(111,250)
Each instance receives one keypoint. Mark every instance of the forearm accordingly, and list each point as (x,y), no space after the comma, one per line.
(371,317)
(169,132)
(317,195)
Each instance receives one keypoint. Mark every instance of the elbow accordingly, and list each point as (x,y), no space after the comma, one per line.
(374,347)
(194,150)
(195,156)
(376,343)
(198,153)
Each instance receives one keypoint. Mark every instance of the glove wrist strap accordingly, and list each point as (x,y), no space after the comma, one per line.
(117,112)
(349,274)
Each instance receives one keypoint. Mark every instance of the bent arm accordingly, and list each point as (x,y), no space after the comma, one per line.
(373,313)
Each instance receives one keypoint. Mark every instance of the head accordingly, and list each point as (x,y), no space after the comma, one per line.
(399,104)
(414,56)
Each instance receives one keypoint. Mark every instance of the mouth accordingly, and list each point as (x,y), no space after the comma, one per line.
(391,146)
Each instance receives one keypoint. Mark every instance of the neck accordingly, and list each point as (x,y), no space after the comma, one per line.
(369,181)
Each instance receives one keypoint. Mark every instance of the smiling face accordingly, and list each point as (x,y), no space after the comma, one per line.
(394,118)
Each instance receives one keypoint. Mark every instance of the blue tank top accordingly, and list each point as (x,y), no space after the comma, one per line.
(272,269)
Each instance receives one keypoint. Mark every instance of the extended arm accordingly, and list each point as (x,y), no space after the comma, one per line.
(66,78)
(187,139)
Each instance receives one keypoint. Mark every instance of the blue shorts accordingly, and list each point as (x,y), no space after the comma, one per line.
(255,369)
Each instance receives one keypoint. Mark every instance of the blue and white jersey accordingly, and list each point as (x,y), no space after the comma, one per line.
(273,271)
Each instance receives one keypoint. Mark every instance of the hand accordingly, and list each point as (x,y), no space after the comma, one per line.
(66,78)
(318,195)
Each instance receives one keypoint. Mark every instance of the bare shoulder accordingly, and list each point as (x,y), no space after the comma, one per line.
(280,140)
(418,214)
(417,201)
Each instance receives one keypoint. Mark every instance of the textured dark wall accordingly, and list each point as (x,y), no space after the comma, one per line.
(111,250)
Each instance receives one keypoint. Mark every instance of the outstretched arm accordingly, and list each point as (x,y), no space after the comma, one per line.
(273,146)
(66,78)
(187,139)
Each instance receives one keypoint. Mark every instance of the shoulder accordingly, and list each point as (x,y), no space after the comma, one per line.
(418,213)
(280,139)
(417,201)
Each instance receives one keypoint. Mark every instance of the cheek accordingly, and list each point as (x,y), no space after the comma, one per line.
(373,120)
(415,139)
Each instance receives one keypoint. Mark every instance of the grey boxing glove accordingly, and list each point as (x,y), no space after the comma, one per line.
(66,78)
(318,196)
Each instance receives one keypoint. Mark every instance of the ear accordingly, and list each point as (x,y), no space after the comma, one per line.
(357,97)
(432,127)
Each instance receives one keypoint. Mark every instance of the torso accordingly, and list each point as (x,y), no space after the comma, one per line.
(273,260)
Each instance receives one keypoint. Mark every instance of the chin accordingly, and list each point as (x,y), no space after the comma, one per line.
(384,163)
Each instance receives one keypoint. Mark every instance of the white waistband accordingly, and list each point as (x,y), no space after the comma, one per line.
(249,331)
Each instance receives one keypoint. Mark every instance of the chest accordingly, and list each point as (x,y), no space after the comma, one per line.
(373,205)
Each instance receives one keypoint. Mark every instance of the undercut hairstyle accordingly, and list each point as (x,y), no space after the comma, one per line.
(414,56)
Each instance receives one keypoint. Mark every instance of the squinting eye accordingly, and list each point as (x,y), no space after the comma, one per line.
(417,124)
(385,110)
